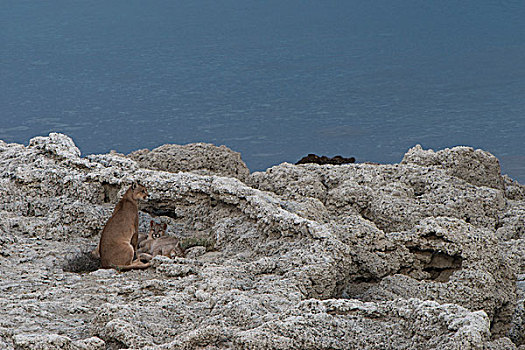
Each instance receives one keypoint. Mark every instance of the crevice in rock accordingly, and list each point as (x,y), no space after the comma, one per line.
(114,344)
(500,326)
(419,188)
(110,192)
(438,266)
(358,287)
(30,210)
(366,214)
(498,224)
(324,181)
(386,227)
(432,236)
(160,210)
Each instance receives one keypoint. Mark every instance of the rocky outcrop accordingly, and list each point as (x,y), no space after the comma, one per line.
(417,255)
(315,159)
(198,158)
(475,166)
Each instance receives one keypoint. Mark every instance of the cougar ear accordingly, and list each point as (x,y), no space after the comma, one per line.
(151,223)
(133,185)
(164,226)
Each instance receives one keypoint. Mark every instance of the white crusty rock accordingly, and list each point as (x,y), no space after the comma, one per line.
(419,255)
(352,324)
(199,158)
(475,166)
(56,145)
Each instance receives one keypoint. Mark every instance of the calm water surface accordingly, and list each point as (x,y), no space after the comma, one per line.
(274,80)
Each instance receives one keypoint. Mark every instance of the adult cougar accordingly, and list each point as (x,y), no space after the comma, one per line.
(119,238)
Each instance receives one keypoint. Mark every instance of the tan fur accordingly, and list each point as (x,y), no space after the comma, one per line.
(159,244)
(167,246)
(142,237)
(155,231)
(96,252)
(119,238)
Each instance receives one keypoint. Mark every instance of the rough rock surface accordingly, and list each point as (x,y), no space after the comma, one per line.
(475,166)
(426,254)
(198,158)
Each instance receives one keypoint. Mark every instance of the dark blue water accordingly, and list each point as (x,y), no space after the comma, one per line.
(274,80)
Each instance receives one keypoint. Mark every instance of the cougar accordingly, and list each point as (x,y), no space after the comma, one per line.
(158,243)
(119,238)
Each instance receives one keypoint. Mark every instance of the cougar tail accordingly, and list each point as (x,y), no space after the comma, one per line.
(135,265)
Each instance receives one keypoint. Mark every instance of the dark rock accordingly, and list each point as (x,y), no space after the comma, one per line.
(337,160)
